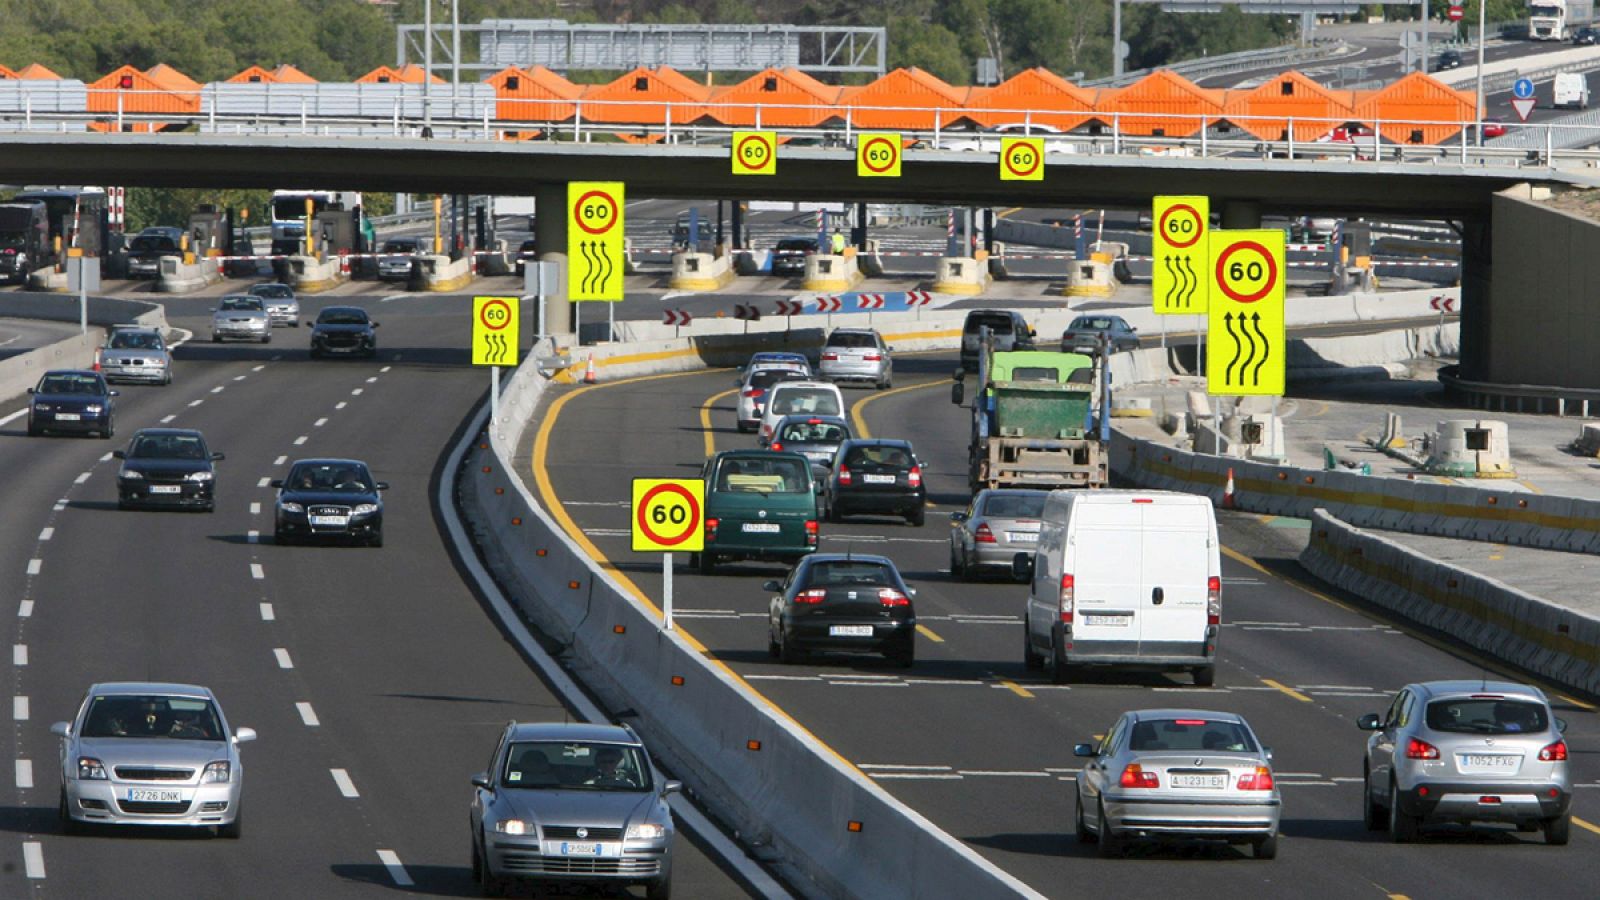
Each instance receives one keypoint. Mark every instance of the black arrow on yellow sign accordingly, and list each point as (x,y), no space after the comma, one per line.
(1246,346)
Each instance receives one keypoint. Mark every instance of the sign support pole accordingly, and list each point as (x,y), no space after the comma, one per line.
(666,591)
(1200,348)
(83,299)
(494,397)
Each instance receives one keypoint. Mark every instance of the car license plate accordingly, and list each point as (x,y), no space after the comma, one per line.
(1481,761)
(165,489)
(878,479)
(1208,782)
(1114,621)
(67,417)
(1023,537)
(340,521)
(571,849)
(761,527)
(850,631)
(146,795)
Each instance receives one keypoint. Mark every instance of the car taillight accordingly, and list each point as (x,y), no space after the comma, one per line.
(1066,599)
(1134,776)
(811,597)
(892,597)
(775,446)
(1556,752)
(1416,749)
(1213,600)
(830,357)
(711,527)
(915,477)
(983,535)
(811,532)
(844,475)
(873,357)
(1260,780)
(754,392)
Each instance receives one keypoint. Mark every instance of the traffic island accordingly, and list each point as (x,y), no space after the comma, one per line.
(1092,277)
(441,274)
(700,272)
(178,275)
(961,275)
(309,275)
(831,274)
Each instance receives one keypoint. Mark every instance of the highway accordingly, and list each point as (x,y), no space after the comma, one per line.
(18,336)
(983,747)
(377,681)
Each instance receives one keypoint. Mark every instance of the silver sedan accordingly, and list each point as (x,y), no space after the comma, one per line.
(241,317)
(142,753)
(857,354)
(999,524)
(1178,774)
(283,307)
(134,353)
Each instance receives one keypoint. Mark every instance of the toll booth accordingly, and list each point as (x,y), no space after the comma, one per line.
(208,232)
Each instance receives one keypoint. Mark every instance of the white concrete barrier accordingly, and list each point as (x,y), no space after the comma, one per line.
(831,274)
(174,276)
(700,272)
(961,275)
(20,372)
(441,274)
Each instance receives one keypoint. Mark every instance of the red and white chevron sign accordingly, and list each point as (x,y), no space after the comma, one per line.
(749,313)
(828,304)
(676,317)
(1443,304)
(869,301)
(791,307)
(918,298)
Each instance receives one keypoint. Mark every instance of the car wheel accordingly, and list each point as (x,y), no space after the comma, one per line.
(1265,848)
(787,654)
(1402,826)
(1030,659)
(34,430)
(958,569)
(1371,810)
(905,657)
(281,537)
(1085,836)
(216,339)
(772,644)
(233,830)
(110,430)
(210,507)
(1109,845)
(1060,673)
(1205,676)
(917,516)
(315,353)
(69,825)
(376,540)
(660,890)
(167,382)
(1558,830)
(708,562)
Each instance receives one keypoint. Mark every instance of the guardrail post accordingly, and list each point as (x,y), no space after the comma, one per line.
(302,115)
(1377,140)
(486,122)
(27,111)
(1027,123)
(848,127)
(577,121)
(1549,145)
(758,117)
(212,117)
(397,117)
(119,111)
(936,118)
(1463,143)
(666,137)
(1291,137)
(1116,133)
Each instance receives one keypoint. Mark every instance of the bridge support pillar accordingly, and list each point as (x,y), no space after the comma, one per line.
(550,230)
(1477,272)
(1241,214)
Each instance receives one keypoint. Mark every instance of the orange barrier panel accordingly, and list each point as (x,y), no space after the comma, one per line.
(920,101)
(640,97)
(1160,104)
(788,98)
(8,73)
(512,85)
(1316,110)
(1400,111)
(409,73)
(140,93)
(36,72)
(1034,89)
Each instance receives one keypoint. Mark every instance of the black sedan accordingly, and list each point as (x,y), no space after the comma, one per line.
(72,401)
(874,476)
(329,498)
(167,467)
(841,602)
(343,331)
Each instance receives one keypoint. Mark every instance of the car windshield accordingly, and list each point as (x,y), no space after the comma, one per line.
(894,457)
(851,339)
(400,247)
(70,384)
(1187,735)
(529,247)
(999,323)
(342,317)
(813,432)
(272,291)
(152,243)
(1014,506)
(764,475)
(241,304)
(792,358)
(167,446)
(765,378)
(853,571)
(1487,715)
(1090,323)
(152,716)
(810,401)
(135,340)
(575,766)
(11,241)
(338,478)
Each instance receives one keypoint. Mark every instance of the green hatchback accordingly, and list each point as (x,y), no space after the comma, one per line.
(760,504)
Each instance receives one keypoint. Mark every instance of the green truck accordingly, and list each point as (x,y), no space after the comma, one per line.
(1035,420)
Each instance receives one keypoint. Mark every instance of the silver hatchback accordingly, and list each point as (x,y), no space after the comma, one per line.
(857,354)
(1000,523)
(241,317)
(1466,751)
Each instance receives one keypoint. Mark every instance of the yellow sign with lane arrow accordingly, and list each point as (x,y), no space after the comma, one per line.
(1180,284)
(595,258)
(1246,320)
(1022,159)
(495,324)
(755,153)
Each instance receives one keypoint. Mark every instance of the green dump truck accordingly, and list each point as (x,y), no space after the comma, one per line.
(1035,421)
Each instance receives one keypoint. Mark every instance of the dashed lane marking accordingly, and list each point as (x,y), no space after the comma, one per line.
(341,404)
(47,534)
(346,786)
(35,566)
(267,615)
(25,609)
(263,482)
(299,440)
(197,402)
(252,537)
(24,773)
(167,418)
(255,509)
(82,477)
(280,460)
(19,708)
(385,368)
(320,422)
(284,662)
(19,654)
(218,389)
(106,456)
(372,379)
(307,714)
(391,861)
(927,632)
(33,859)
(257,572)
(356,392)
(258,368)
(12,417)
(60,505)
(240,377)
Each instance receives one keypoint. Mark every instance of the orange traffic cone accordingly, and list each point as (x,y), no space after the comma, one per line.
(97,359)
(1227,493)
(589,376)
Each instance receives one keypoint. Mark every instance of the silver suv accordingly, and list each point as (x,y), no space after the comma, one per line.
(1466,751)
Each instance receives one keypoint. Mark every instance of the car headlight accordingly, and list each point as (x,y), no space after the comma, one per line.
(645,831)
(218,772)
(92,408)
(514,826)
(290,506)
(90,769)
(42,407)
(364,509)
(198,476)
(131,475)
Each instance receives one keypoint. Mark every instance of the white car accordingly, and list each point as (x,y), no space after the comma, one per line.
(754,385)
(789,398)
(989,141)
(241,317)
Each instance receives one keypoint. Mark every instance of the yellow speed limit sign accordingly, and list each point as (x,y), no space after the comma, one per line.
(1180,284)
(755,153)
(878,154)
(494,330)
(1246,327)
(669,514)
(595,259)
(1021,159)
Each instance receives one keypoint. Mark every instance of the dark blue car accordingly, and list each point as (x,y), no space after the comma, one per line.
(343,331)
(329,499)
(72,401)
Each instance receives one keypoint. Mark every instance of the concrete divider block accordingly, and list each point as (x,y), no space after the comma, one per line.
(831,274)
(1583,535)
(1396,504)
(1090,278)
(1429,500)
(700,272)
(441,274)
(1208,476)
(961,275)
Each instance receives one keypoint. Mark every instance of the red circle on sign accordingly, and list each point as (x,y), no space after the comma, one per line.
(1038,160)
(1456,13)
(766,150)
(483,314)
(644,520)
(577,212)
(1266,287)
(866,154)
(1199,225)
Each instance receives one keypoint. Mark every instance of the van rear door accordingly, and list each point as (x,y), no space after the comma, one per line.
(1176,553)
(1107,553)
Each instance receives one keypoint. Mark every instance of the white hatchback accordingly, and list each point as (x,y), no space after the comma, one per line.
(790,398)
(755,385)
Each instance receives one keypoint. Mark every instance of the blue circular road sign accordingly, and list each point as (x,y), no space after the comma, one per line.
(1523,89)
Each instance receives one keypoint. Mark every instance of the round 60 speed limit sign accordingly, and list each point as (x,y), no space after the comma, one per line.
(1021,159)
(1181,226)
(668,515)
(1246,271)
(755,153)
(878,155)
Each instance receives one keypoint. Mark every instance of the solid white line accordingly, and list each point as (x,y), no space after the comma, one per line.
(33,859)
(283,658)
(898,768)
(166,419)
(299,440)
(47,534)
(1012,774)
(914,776)
(19,654)
(218,389)
(60,505)
(385,368)
(280,460)
(263,482)
(258,368)
(320,422)
(82,477)
(25,609)
(257,572)
(252,537)
(346,786)
(34,565)
(19,708)
(307,714)
(12,417)
(255,509)
(340,405)
(197,402)
(356,392)
(267,615)
(396,870)
(106,456)
(24,773)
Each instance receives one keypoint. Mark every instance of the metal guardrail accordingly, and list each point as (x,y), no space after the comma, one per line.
(1489,395)
(1227,63)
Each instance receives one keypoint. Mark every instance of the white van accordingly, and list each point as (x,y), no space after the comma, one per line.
(794,398)
(1571,90)
(1124,578)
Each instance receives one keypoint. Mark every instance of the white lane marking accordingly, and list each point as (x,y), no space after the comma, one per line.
(257,572)
(267,615)
(917,776)
(320,422)
(47,534)
(263,482)
(218,389)
(60,505)
(240,377)
(33,859)
(255,509)
(280,460)
(307,714)
(252,536)
(372,379)
(82,477)
(900,768)
(341,404)
(24,773)
(346,786)
(356,392)
(299,440)
(19,708)
(1004,774)
(258,368)
(197,402)
(19,654)
(34,565)
(391,861)
(166,419)
(277,356)
(106,456)
(385,368)
(1333,687)
(284,662)
(12,417)
(25,609)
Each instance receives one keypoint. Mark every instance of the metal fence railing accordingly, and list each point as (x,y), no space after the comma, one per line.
(1228,63)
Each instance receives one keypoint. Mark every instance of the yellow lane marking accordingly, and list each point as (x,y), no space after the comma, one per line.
(1267,520)
(1530,486)
(1008,212)
(705,419)
(927,632)
(1398,897)
(547,493)
(1286,689)
(1586,826)
(1322,409)
(860,424)
(1019,690)
(1578,703)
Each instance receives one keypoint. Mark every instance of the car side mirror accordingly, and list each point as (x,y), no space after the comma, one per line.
(119,454)
(383,485)
(958,393)
(217,456)
(376,324)
(113,393)
(1369,722)
(243,735)
(276,482)
(958,517)
(1561,725)
(61,729)
(481,780)
(772,584)
(1267,752)
(1086,750)
(671,787)
(1022,567)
